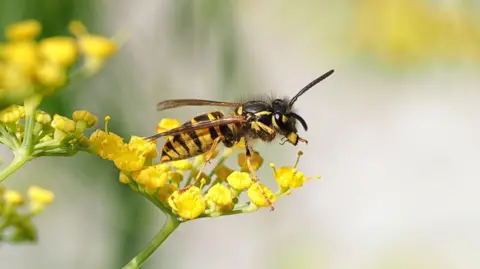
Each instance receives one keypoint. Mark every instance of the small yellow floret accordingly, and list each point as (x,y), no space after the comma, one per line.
(25,30)
(106,145)
(257,196)
(77,28)
(239,180)
(51,75)
(12,114)
(13,197)
(222,171)
(182,165)
(42,117)
(59,50)
(63,124)
(221,196)
(256,161)
(147,148)
(165,191)
(129,159)
(189,204)
(97,47)
(23,55)
(40,195)
(87,116)
(151,177)
(124,178)
(167,124)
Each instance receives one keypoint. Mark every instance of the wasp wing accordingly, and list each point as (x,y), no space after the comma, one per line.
(167,104)
(198,126)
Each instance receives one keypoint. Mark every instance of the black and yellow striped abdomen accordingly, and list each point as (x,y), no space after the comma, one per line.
(190,144)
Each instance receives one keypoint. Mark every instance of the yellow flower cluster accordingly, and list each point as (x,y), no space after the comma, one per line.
(217,193)
(16,216)
(55,135)
(29,66)
(412,32)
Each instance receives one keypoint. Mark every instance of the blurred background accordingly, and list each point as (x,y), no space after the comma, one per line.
(394,132)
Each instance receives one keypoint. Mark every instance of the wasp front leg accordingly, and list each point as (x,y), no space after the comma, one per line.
(248,155)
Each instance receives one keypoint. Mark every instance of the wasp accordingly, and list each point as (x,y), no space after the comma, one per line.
(251,120)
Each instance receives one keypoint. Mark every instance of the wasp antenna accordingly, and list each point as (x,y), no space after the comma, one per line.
(310,85)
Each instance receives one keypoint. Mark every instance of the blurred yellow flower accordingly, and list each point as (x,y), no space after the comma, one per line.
(77,28)
(256,161)
(167,124)
(182,165)
(24,30)
(189,204)
(40,195)
(165,192)
(12,114)
(43,117)
(59,50)
(23,55)
(239,180)
(51,75)
(222,171)
(257,193)
(13,197)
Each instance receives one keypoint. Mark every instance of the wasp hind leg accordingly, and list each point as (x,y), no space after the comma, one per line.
(248,154)
(208,157)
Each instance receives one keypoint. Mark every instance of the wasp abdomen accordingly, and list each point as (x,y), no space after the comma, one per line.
(191,144)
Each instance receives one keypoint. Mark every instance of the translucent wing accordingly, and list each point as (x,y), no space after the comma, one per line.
(167,104)
(197,126)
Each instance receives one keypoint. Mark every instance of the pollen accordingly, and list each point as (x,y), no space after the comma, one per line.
(239,180)
(39,195)
(12,114)
(25,30)
(257,193)
(221,196)
(63,124)
(167,124)
(84,115)
(256,161)
(59,50)
(189,204)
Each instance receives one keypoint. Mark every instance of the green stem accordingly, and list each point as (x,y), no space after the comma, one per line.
(30,107)
(170,225)
(18,161)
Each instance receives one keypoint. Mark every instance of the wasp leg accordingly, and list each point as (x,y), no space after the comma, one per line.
(208,157)
(248,154)
(264,127)
(302,140)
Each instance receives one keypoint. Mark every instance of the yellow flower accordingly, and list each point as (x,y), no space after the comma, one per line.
(239,180)
(59,50)
(23,55)
(106,145)
(175,177)
(84,115)
(151,177)
(97,46)
(25,30)
(288,177)
(256,161)
(12,114)
(13,197)
(221,196)
(222,171)
(77,28)
(42,117)
(165,191)
(129,159)
(51,75)
(40,195)
(124,178)
(167,124)
(257,193)
(182,165)
(63,124)
(189,204)
(147,148)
